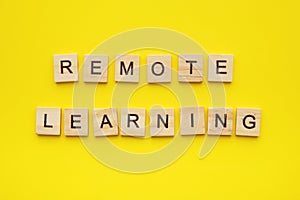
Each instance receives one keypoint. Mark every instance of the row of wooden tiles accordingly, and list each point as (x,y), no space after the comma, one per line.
(159,68)
(105,121)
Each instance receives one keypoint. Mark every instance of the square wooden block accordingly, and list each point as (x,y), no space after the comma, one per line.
(105,122)
(48,121)
(95,68)
(127,68)
(161,122)
(220,67)
(192,121)
(133,122)
(65,68)
(76,122)
(220,121)
(190,67)
(248,121)
(159,68)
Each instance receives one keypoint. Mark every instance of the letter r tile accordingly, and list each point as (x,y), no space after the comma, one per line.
(65,68)
(133,122)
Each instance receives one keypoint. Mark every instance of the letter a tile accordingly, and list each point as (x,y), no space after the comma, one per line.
(105,122)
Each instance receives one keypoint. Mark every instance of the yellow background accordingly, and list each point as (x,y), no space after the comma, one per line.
(262,35)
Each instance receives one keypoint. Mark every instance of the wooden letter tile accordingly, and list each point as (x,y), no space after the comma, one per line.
(95,68)
(192,121)
(76,122)
(219,121)
(65,68)
(161,122)
(127,68)
(248,121)
(48,121)
(159,68)
(133,122)
(105,122)
(220,68)
(190,67)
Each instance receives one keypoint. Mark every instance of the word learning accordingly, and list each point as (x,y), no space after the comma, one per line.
(132,123)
